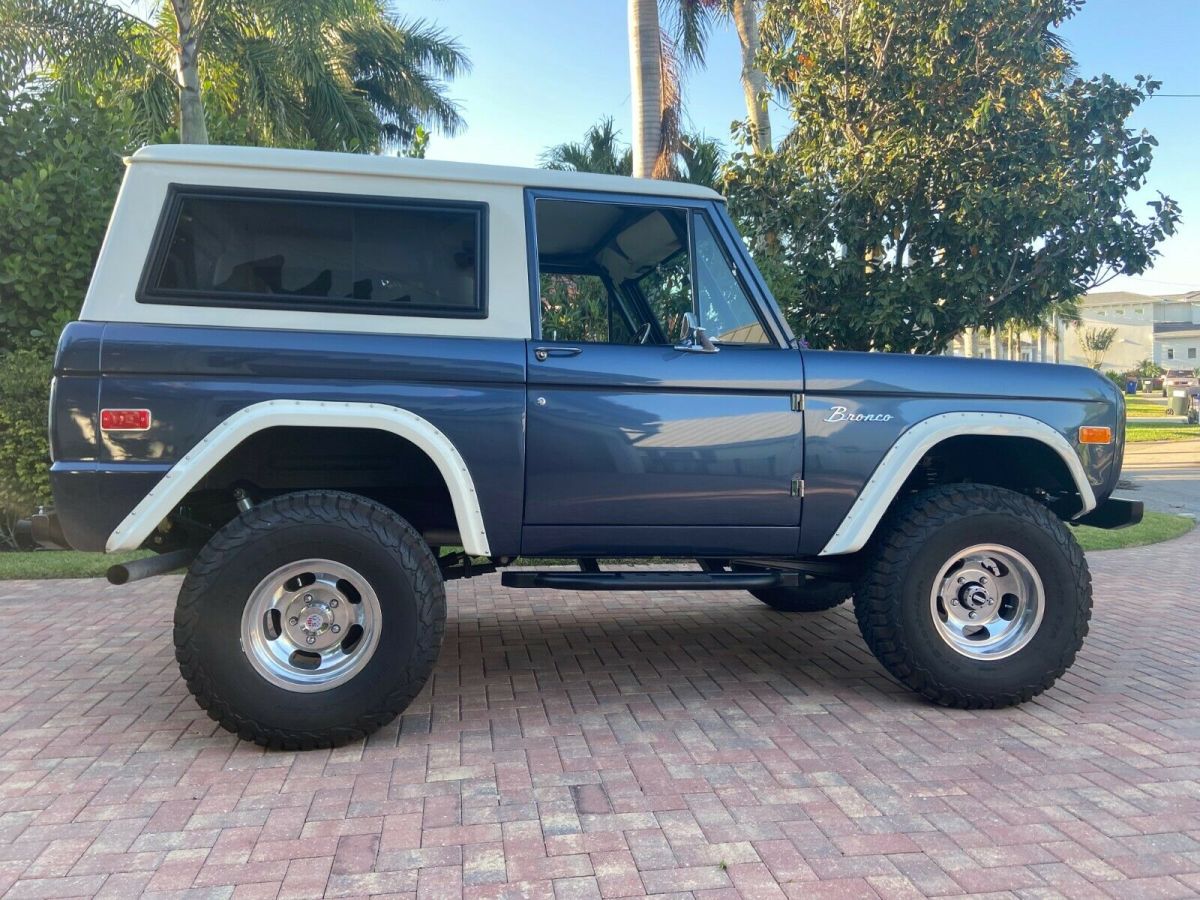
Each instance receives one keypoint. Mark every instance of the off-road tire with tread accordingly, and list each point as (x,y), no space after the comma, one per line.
(892,601)
(817,595)
(347,528)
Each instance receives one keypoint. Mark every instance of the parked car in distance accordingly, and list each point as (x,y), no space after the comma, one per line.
(328,383)
(1178,378)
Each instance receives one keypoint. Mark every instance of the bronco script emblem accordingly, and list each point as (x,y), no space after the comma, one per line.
(841,414)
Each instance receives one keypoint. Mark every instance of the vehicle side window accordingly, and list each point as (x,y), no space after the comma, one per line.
(726,310)
(611,272)
(320,252)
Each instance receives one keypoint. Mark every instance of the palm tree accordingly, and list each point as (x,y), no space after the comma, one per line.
(332,74)
(656,59)
(646,77)
(599,151)
(699,158)
(754,82)
(702,158)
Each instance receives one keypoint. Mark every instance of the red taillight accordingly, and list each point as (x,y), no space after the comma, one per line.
(124,419)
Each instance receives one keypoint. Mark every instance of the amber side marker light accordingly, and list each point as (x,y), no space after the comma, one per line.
(1095,434)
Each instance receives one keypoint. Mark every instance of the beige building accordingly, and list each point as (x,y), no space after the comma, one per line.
(1163,328)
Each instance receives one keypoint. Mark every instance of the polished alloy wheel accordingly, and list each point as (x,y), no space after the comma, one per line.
(311,625)
(987,602)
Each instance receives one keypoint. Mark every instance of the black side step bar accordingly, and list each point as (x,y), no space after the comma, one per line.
(650,581)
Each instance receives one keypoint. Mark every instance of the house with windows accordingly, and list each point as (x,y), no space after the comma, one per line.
(1164,328)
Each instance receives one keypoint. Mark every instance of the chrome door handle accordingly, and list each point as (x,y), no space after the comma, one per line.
(541,354)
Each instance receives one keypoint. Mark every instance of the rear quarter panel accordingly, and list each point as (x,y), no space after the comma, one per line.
(193,378)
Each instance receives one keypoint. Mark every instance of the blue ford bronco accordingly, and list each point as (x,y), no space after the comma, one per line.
(325,384)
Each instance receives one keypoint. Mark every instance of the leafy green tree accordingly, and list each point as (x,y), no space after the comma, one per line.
(946,170)
(1095,344)
(329,74)
(60,166)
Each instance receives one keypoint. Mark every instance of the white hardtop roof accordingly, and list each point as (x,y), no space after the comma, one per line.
(402,167)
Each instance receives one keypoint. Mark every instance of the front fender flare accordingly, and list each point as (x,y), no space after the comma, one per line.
(217,444)
(902,457)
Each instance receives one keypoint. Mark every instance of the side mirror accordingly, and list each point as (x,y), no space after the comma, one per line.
(694,338)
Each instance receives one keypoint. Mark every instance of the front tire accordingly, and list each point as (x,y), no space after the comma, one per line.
(310,621)
(974,596)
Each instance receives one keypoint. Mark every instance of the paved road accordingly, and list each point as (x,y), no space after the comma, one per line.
(1165,475)
(577,745)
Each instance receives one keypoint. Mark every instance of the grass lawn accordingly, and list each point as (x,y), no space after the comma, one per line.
(1154,527)
(60,564)
(1145,407)
(1153,431)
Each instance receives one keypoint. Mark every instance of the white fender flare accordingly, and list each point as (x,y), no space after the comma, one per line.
(217,444)
(893,470)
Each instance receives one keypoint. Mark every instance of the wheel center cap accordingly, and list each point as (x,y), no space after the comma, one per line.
(972,596)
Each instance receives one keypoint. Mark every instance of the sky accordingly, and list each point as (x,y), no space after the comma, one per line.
(545,70)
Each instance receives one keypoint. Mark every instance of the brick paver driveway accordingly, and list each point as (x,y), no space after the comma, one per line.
(609,745)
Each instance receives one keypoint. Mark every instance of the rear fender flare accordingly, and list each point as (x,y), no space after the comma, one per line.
(218,443)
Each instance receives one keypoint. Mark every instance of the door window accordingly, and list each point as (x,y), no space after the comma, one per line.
(726,310)
(611,272)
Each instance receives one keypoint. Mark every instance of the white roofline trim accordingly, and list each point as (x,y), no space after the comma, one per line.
(322,162)
(217,444)
(893,470)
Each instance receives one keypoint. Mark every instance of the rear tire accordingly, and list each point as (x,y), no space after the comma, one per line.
(817,595)
(974,596)
(310,621)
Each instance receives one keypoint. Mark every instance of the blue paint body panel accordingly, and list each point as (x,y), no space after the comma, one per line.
(841,456)
(653,436)
(192,379)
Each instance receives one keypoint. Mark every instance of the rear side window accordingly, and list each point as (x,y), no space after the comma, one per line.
(319,252)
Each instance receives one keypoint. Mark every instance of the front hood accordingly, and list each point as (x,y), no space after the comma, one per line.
(899,374)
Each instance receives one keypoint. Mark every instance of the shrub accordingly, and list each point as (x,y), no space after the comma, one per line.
(60,165)
(24,452)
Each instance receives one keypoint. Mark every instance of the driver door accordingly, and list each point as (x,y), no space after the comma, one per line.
(637,442)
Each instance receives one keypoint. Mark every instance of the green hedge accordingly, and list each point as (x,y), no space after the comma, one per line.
(60,166)
(24,453)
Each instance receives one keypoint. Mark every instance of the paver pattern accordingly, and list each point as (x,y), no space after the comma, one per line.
(610,745)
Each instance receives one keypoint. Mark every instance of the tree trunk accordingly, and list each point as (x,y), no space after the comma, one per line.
(192,129)
(754,82)
(645,73)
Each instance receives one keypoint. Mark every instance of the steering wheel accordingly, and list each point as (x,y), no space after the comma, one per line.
(643,334)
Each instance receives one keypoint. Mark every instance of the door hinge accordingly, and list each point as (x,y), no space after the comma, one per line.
(797,486)
(797,403)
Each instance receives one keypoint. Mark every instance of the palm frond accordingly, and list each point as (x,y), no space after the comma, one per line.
(600,151)
(73,40)
(690,24)
(671,111)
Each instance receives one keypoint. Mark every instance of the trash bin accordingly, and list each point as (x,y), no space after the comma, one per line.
(1178,404)
(1131,386)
